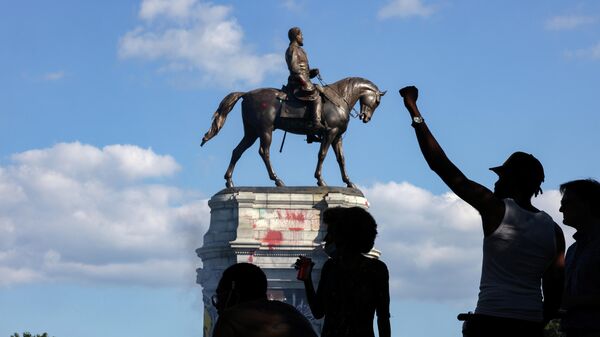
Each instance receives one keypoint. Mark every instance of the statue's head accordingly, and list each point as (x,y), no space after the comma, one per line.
(295,34)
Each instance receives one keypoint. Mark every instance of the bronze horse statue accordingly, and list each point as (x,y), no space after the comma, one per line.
(260,115)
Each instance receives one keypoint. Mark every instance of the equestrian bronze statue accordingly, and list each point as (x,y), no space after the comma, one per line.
(262,111)
(320,113)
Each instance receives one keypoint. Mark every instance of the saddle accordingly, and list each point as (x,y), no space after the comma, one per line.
(292,107)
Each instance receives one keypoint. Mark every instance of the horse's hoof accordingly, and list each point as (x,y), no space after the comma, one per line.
(229,184)
(279,183)
(321,183)
(350,184)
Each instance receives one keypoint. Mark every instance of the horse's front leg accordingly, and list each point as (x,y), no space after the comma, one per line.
(325,143)
(339,155)
(264,151)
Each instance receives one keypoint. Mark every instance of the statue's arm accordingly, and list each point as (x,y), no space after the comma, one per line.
(478,196)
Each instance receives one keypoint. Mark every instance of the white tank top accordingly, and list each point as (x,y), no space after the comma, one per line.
(515,257)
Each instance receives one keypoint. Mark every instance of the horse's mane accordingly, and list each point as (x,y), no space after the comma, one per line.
(347,85)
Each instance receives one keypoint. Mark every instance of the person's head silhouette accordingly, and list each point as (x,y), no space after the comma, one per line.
(520,175)
(580,204)
(349,230)
(244,309)
(241,282)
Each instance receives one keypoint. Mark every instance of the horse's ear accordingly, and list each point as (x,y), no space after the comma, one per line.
(382,93)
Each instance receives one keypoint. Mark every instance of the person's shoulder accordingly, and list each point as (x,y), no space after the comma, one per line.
(260,306)
(376,265)
(263,318)
(280,305)
(299,324)
(266,305)
(285,308)
(556,227)
(381,265)
(242,307)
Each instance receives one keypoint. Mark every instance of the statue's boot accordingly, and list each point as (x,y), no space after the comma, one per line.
(315,124)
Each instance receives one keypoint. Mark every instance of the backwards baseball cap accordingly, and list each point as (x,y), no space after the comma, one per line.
(523,165)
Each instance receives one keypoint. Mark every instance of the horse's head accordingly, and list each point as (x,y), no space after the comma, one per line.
(369,101)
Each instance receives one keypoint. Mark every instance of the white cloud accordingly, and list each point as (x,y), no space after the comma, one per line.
(151,9)
(406,9)
(432,243)
(197,36)
(67,160)
(53,76)
(75,212)
(292,5)
(568,22)
(592,53)
(79,213)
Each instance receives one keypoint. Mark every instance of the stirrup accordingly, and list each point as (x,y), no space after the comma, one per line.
(313,138)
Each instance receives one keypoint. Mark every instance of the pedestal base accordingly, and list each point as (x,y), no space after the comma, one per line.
(269,227)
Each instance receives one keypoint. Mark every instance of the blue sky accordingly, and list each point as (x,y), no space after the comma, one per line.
(103,185)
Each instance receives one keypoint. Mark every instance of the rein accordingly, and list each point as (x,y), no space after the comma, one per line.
(356,113)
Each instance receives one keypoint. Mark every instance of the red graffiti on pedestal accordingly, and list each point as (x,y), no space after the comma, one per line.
(273,238)
(296,216)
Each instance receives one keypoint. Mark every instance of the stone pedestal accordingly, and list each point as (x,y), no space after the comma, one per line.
(269,227)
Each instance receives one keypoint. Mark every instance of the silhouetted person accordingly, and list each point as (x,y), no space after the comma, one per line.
(580,206)
(352,287)
(244,310)
(522,247)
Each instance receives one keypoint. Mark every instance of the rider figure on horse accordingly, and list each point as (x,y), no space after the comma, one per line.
(299,80)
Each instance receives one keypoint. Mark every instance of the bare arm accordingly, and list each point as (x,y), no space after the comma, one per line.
(384,327)
(554,278)
(476,195)
(383,305)
(315,301)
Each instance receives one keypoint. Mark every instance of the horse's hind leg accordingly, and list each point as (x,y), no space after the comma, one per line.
(245,143)
(264,151)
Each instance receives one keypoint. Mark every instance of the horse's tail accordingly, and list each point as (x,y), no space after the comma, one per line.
(219,117)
